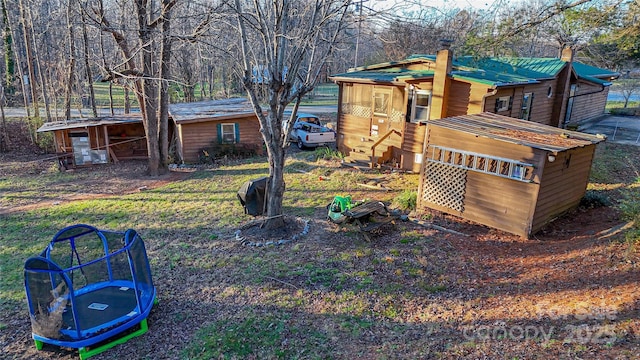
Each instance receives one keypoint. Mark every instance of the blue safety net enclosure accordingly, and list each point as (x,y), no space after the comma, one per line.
(88,287)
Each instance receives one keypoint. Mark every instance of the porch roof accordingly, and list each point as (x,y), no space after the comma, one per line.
(91,122)
(388,75)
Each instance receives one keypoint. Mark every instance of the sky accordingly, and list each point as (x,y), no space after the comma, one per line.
(441,4)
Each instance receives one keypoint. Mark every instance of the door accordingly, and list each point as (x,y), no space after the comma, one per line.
(382,98)
(527,100)
(567,115)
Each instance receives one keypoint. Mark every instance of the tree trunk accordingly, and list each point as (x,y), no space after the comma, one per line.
(104,65)
(165,74)
(71,64)
(127,100)
(8,50)
(276,187)
(4,137)
(92,94)
(26,30)
(41,77)
(149,88)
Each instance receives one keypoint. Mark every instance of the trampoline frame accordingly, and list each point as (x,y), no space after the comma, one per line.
(103,335)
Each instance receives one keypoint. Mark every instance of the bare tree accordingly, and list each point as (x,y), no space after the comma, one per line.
(291,40)
(28,44)
(145,79)
(627,87)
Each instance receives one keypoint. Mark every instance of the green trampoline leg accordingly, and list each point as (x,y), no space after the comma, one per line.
(85,353)
(39,344)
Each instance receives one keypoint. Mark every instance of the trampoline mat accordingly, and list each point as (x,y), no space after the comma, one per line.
(102,306)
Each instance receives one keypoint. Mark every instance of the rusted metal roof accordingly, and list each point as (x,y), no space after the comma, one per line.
(91,122)
(518,131)
(210,110)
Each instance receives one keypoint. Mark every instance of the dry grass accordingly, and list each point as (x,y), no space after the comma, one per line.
(411,293)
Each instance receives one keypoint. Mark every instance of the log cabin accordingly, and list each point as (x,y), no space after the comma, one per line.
(506,173)
(383,108)
(201,125)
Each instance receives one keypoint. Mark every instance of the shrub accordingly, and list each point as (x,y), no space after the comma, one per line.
(406,200)
(630,208)
(623,111)
(216,151)
(630,205)
(327,153)
(594,199)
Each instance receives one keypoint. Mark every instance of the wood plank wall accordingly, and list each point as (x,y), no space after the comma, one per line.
(122,140)
(563,184)
(541,107)
(588,106)
(502,203)
(352,129)
(412,144)
(198,135)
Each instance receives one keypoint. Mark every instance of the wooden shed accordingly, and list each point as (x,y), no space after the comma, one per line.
(99,140)
(200,125)
(506,173)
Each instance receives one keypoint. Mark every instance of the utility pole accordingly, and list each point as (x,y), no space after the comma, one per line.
(359,9)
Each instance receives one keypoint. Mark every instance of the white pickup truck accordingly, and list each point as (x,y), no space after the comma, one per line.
(308,132)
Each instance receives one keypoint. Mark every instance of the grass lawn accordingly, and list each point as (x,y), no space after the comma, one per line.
(412,292)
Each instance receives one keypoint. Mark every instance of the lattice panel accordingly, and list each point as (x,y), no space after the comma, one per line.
(396,116)
(444,185)
(361,111)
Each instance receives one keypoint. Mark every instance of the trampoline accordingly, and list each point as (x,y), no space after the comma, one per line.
(89,289)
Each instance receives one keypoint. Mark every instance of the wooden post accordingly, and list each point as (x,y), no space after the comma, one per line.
(106,143)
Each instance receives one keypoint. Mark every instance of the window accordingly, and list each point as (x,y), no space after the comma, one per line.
(527,99)
(420,103)
(381,102)
(503,103)
(228,133)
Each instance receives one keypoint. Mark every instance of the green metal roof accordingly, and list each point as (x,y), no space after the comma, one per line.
(491,77)
(386,75)
(534,68)
(490,71)
(592,73)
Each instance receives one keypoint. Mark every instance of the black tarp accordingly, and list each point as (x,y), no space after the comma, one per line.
(252,196)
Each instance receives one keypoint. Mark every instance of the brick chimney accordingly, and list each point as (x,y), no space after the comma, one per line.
(441,81)
(563,88)
(567,54)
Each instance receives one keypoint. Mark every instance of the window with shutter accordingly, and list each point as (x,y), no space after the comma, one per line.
(227,133)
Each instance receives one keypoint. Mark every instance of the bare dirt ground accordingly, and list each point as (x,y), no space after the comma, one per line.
(576,281)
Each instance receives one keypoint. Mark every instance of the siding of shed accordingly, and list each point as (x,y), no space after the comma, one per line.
(198,135)
(562,186)
(588,106)
(502,203)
